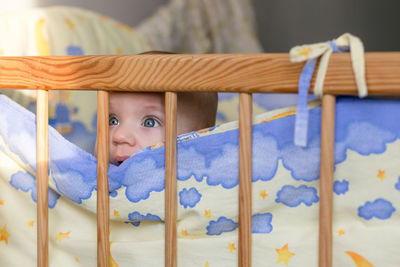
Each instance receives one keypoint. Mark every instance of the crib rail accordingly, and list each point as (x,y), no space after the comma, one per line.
(245,178)
(252,73)
(103,205)
(326,180)
(247,74)
(42,155)
(170,179)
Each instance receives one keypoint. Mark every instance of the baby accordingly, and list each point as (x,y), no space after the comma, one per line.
(137,120)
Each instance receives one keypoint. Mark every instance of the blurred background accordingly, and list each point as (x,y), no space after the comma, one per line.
(281,24)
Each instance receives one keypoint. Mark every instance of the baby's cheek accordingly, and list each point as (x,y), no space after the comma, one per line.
(111,150)
(111,153)
(152,136)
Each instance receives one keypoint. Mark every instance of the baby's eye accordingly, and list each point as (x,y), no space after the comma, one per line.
(150,122)
(113,121)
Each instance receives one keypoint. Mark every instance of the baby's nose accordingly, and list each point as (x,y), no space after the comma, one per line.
(123,136)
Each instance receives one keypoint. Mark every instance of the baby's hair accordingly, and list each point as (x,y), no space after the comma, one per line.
(202,104)
(155,52)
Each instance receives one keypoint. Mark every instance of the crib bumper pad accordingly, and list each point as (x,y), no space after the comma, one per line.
(285,193)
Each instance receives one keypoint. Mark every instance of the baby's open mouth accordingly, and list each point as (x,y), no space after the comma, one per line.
(118,160)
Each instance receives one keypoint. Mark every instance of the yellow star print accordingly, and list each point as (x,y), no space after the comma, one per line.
(340,232)
(113,263)
(284,254)
(41,42)
(31,223)
(207,214)
(4,235)
(70,24)
(61,236)
(206,265)
(304,52)
(359,260)
(125,28)
(263,194)
(231,247)
(118,50)
(1,202)
(381,175)
(116,213)
(184,232)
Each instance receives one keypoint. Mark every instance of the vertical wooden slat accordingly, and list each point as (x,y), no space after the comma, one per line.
(42,180)
(326,180)
(103,245)
(245,177)
(170,179)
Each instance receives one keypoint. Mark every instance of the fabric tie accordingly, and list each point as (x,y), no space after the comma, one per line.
(311,53)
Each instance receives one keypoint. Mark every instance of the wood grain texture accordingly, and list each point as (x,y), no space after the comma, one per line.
(103,208)
(245,178)
(225,72)
(170,179)
(326,180)
(42,179)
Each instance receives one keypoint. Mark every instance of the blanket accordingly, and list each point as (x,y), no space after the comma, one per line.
(285,193)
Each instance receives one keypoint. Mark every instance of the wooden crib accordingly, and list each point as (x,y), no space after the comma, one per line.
(245,74)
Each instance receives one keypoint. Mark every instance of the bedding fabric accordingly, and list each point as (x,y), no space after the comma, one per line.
(285,193)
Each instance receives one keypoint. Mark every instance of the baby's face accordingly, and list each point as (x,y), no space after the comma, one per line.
(136,121)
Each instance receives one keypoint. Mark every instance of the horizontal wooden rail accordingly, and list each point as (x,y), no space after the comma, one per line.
(253,73)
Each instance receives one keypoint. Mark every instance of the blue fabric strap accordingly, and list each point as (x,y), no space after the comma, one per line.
(334,46)
(301,125)
(337,49)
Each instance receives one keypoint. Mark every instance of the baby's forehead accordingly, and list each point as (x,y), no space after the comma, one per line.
(136,103)
(136,97)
